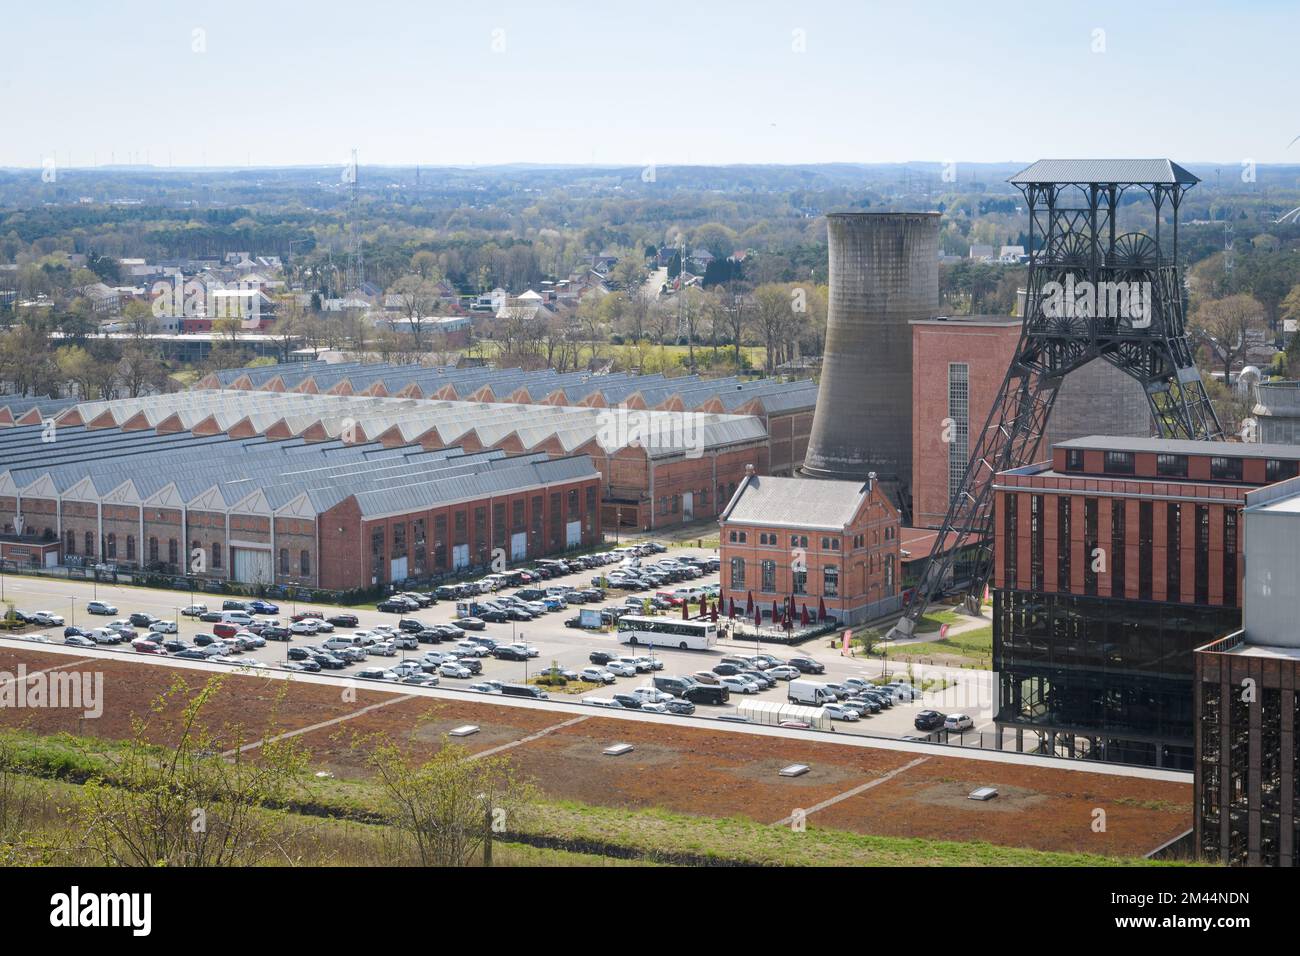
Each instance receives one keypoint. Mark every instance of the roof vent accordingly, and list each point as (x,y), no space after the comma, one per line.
(983,793)
(463,731)
(794,770)
(617,750)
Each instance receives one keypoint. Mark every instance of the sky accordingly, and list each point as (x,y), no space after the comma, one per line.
(484,81)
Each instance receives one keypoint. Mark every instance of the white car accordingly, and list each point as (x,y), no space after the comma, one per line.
(651,695)
(322,627)
(163,627)
(841,712)
(45,619)
(470,649)
(621,668)
(596,675)
(452,669)
(738,685)
(407,668)
(382,648)
(378,673)
(100,607)
(526,648)
(783,672)
(194,610)
(603,702)
(906,691)
(305,626)
(958,722)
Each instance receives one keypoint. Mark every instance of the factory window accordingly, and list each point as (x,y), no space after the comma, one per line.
(1229,557)
(1171,466)
(1202,554)
(216,554)
(677,503)
(1275,470)
(1225,469)
(1211,709)
(499,529)
(1063,544)
(1074,459)
(889,575)
(1173,551)
(173,551)
(304,563)
(377,553)
(737,572)
(733,537)
(1146,549)
(958,432)
(480,533)
(835,544)
(517,515)
(573,504)
(90,545)
(1090,546)
(1118,548)
(111,550)
(1009,520)
(153,550)
(461,524)
(1036,542)
(284,560)
(1119,463)
(130,547)
(769,575)
(399,540)
(799,581)
(831,581)
(70,544)
(440,539)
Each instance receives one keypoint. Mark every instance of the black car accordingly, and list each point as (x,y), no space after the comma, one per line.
(429,636)
(706,694)
(274,633)
(447,592)
(929,720)
(628,701)
(487,642)
(342,620)
(73,631)
(471,664)
(234,606)
(395,606)
(519,613)
(299,654)
(192,654)
(806,665)
(210,616)
(411,626)
(492,616)
(310,665)
(329,661)
(175,645)
(602,657)
(140,619)
(507,653)
(203,640)
(682,707)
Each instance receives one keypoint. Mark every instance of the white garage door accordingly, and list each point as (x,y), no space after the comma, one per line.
(251,566)
(519,546)
(459,556)
(573,534)
(397,569)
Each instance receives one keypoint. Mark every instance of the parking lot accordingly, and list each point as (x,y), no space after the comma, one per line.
(568,648)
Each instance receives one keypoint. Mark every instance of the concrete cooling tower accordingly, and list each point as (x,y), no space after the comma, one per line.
(884,272)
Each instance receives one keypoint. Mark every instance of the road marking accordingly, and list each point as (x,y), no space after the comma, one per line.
(320,726)
(831,801)
(530,738)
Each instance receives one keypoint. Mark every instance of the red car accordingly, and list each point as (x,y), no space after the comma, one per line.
(303,615)
(148,647)
(670,598)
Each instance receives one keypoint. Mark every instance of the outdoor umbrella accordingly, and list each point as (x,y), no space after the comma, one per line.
(713,614)
(775,614)
(731,608)
(749,602)
(821,609)
(804,619)
(758,618)
(686,610)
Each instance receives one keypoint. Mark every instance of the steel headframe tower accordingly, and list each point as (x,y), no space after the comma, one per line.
(1080,270)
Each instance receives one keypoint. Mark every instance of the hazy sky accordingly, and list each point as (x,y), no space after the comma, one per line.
(486,81)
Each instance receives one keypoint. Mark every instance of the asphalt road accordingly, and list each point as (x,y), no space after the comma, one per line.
(972,692)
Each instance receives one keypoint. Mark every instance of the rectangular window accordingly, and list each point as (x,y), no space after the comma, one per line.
(1202,571)
(440,542)
(1119,463)
(831,581)
(769,575)
(737,573)
(1229,557)
(1011,503)
(1225,469)
(1063,544)
(1275,470)
(1118,548)
(399,540)
(1036,542)
(799,581)
(1173,551)
(1146,543)
(1074,459)
(959,434)
(1090,546)
(1171,466)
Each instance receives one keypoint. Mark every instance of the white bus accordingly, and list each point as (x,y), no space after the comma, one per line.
(667,632)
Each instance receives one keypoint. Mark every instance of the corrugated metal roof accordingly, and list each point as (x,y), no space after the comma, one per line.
(803,503)
(1126,171)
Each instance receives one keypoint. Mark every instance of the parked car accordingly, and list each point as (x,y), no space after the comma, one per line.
(78,640)
(45,619)
(596,675)
(929,720)
(145,646)
(841,712)
(454,669)
(806,665)
(958,722)
(396,605)
(163,627)
(737,684)
(194,610)
(101,607)
(343,620)
(471,623)
(602,657)
(621,668)
(509,652)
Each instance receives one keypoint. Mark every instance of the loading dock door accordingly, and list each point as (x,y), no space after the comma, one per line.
(519,546)
(252,566)
(459,556)
(573,534)
(397,569)
(688,506)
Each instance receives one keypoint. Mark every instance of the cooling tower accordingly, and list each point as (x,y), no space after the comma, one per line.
(884,272)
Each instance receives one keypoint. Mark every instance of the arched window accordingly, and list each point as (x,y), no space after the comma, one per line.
(304,562)
(173,554)
(153,550)
(216,555)
(111,550)
(130,547)
(90,544)
(70,545)
(284,560)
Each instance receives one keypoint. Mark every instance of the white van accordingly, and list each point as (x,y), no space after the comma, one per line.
(237,617)
(811,692)
(340,641)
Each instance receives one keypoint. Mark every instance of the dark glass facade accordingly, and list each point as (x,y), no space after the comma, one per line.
(1115,673)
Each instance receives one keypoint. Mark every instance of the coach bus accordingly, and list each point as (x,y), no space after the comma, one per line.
(667,632)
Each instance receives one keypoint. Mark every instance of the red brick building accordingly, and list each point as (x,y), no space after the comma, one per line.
(818,541)
(1112,562)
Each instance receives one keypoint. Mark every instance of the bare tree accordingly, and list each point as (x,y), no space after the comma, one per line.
(1225,326)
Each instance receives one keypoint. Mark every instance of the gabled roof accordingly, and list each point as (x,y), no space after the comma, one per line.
(1124,171)
(804,503)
